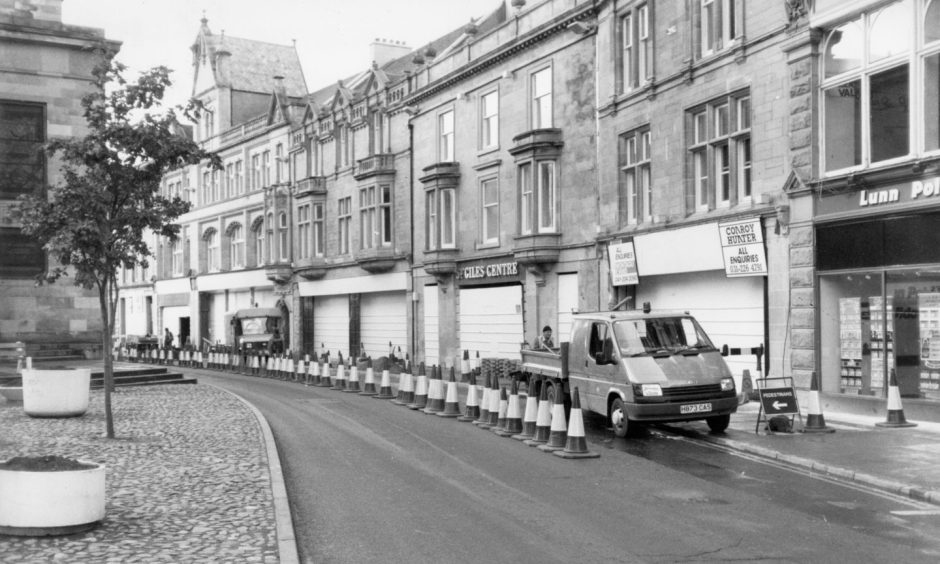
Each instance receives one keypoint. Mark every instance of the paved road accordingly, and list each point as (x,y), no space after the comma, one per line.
(370,481)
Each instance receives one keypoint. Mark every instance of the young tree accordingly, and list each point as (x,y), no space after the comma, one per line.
(95,221)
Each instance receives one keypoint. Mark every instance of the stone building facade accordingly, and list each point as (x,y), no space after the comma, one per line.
(45,68)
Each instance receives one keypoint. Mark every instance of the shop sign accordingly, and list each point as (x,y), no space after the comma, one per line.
(490,271)
(915,191)
(742,246)
(623,271)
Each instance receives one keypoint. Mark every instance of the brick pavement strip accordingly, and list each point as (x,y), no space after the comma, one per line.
(187,478)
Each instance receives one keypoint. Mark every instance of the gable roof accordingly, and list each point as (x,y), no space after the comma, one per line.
(245,64)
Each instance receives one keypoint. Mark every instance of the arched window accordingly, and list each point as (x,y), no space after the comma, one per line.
(236,246)
(212,250)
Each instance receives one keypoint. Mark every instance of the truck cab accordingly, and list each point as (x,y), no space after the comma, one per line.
(258,331)
(649,367)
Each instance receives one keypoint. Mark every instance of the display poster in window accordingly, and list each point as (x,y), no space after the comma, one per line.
(623,271)
(928,304)
(850,341)
(742,246)
(882,339)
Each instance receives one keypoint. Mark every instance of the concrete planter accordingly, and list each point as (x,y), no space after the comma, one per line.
(56,393)
(12,393)
(55,502)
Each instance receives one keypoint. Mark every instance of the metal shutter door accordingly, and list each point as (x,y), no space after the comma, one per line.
(383,318)
(491,321)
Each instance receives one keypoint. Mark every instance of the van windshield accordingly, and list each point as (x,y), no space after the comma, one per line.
(660,335)
(254,326)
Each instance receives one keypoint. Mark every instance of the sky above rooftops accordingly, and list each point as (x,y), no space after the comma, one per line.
(333,37)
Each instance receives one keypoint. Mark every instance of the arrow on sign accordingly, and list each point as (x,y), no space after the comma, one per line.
(778,405)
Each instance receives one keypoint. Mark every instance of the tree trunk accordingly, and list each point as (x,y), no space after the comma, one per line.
(108,328)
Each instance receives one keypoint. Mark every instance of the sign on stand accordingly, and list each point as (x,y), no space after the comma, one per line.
(777,397)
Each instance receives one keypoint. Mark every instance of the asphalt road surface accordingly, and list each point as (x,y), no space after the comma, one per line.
(370,481)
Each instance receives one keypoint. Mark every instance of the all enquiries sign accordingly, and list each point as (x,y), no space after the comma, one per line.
(623,270)
(742,246)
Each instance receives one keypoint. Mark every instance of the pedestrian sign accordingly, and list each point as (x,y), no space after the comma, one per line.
(777,398)
(778,401)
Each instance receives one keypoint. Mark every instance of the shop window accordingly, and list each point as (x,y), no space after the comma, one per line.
(636,187)
(720,153)
(541,99)
(866,91)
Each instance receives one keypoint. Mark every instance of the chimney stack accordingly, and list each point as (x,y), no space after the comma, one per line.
(384,51)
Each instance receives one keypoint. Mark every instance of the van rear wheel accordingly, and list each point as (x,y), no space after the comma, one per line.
(618,418)
(718,423)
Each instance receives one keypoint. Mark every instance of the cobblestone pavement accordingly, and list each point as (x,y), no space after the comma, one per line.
(187,478)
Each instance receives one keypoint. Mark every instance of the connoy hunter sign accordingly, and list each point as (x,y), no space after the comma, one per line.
(742,246)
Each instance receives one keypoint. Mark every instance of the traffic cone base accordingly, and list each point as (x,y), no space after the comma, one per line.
(815,421)
(368,388)
(451,402)
(576,443)
(895,411)
(385,388)
(421,393)
(435,393)
(472,409)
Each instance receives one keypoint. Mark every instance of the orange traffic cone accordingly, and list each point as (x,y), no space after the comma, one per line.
(531,411)
(421,390)
(368,388)
(385,389)
(472,411)
(451,401)
(484,417)
(543,419)
(513,424)
(895,411)
(557,436)
(576,445)
(815,422)
(435,391)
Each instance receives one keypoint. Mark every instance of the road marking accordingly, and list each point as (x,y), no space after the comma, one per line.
(911,513)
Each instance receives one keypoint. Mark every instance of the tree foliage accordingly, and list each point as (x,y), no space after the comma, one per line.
(98,218)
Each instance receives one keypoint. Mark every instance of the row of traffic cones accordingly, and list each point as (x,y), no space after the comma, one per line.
(816,422)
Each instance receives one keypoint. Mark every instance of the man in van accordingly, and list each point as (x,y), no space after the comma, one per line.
(545,342)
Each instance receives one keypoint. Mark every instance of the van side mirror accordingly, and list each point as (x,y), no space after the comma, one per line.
(724,349)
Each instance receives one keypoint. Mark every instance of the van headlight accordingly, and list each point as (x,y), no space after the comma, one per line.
(648,390)
(727,384)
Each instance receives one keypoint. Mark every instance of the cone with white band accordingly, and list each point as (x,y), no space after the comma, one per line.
(895,411)
(543,418)
(530,417)
(493,421)
(339,381)
(465,366)
(484,417)
(421,390)
(368,387)
(451,400)
(558,435)
(472,409)
(406,389)
(502,411)
(513,424)
(352,383)
(815,422)
(576,443)
(435,391)
(325,381)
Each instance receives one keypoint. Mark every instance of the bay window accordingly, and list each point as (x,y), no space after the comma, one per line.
(441,220)
(537,195)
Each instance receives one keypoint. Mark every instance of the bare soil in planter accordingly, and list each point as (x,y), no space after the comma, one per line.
(51,463)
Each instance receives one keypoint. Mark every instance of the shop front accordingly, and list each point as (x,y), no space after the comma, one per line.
(878,267)
(490,307)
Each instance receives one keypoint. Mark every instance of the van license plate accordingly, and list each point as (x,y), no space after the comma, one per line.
(695,408)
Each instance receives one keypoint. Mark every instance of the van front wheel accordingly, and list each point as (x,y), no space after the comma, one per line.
(618,418)
(718,423)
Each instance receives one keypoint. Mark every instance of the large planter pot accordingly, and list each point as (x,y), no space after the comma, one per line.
(38,501)
(56,393)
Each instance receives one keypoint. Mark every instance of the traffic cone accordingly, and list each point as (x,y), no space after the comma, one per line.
(406,388)
(451,401)
(385,388)
(557,436)
(484,417)
(421,390)
(543,419)
(815,422)
(501,412)
(495,402)
(531,411)
(465,366)
(513,425)
(472,410)
(325,369)
(352,383)
(475,365)
(895,411)
(435,392)
(576,445)
(339,382)
(368,388)
(313,374)
(301,371)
